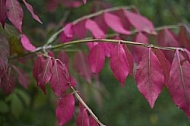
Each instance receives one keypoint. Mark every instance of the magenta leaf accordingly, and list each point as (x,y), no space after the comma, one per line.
(141,23)
(22,77)
(60,79)
(45,74)
(115,23)
(67,34)
(15,13)
(7,83)
(82,118)
(92,121)
(165,64)
(84,1)
(4,53)
(26,43)
(96,58)
(119,64)
(167,38)
(81,65)
(31,10)
(179,86)
(80,26)
(108,47)
(51,5)
(101,23)
(184,36)
(94,29)
(65,109)
(136,51)
(149,77)
(3,12)
(129,59)
(63,56)
(38,67)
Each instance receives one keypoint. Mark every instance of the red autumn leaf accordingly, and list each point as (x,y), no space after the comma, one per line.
(184,36)
(149,77)
(67,34)
(108,47)
(165,64)
(82,118)
(129,59)
(51,5)
(65,109)
(167,38)
(60,78)
(119,64)
(80,26)
(92,121)
(22,77)
(45,75)
(179,86)
(136,51)
(84,1)
(31,10)
(140,23)
(15,13)
(7,83)
(3,12)
(63,56)
(4,53)
(81,65)
(94,29)
(96,58)
(124,20)
(38,67)
(71,3)
(26,43)
(101,23)
(115,23)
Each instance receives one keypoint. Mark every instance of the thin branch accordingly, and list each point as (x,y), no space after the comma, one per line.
(86,106)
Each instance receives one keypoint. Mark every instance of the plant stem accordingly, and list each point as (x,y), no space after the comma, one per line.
(86,106)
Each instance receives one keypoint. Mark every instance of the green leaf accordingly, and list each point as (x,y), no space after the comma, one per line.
(3,107)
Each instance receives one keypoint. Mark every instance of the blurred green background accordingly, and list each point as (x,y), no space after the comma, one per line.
(113,104)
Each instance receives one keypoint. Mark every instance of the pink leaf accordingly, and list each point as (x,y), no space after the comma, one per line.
(81,66)
(101,23)
(67,34)
(60,79)
(184,36)
(179,86)
(82,118)
(15,13)
(22,77)
(84,1)
(136,51)
(31,10)
(38,67)
(119,64)
(114,22)
(65,109)
(26,43)
(51,5)
(165,64)
(45,74)
(96,58)
(167,38)
(108,47)
(94,29)
(149,77)
(92,121)
(141,23)
(80,26)
(7,83)
(129,59)
(63,56)
(3,12)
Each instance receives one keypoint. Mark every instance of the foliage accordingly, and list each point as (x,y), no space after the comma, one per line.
(154,57)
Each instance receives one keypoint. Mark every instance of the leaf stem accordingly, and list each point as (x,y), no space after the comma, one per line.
(86,106)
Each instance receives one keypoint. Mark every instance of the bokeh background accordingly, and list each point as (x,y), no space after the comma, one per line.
(113,104)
